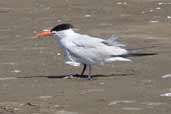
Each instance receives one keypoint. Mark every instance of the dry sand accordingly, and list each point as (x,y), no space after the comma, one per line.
(32,71)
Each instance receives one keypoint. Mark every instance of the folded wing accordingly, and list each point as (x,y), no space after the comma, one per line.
(93,50)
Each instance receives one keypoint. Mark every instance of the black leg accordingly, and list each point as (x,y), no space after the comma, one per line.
(84,68)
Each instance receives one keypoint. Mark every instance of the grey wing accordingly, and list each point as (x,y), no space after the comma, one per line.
(86,49)
(113,41)
(93,50)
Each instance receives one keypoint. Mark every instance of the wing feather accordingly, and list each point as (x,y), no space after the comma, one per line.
(92,50)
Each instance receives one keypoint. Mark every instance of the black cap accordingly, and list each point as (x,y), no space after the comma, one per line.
(62,27)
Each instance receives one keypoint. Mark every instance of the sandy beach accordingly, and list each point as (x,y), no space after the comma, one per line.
(33,72)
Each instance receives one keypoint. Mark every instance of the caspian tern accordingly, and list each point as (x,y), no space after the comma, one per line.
(87,50)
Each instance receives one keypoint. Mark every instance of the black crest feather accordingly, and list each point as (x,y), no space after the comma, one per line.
(61,27)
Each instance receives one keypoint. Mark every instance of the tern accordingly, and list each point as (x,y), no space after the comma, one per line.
(80,49)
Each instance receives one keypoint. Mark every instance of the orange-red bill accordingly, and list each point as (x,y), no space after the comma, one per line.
(44,34)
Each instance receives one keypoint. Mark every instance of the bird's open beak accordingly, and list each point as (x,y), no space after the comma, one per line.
(44,34)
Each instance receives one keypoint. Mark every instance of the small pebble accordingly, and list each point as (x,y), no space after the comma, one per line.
(160,3)
(87,15)
(113,103)
(153,21)
(45,97)
(119,3)
(169,17)
(158,8)
(59,20)
(166,76)
(151,10)
(166,95)
(124,3)
(58,54)
(56,106)
(16,71)
(121,101)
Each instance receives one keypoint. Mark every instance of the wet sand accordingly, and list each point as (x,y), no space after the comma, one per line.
(32,71)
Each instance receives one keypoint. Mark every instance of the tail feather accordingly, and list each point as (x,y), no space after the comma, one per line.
(135,55)
(140,54)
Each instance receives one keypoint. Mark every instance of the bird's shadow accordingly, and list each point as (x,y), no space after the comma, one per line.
(79,76)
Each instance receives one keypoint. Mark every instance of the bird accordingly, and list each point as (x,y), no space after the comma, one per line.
(81,49)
